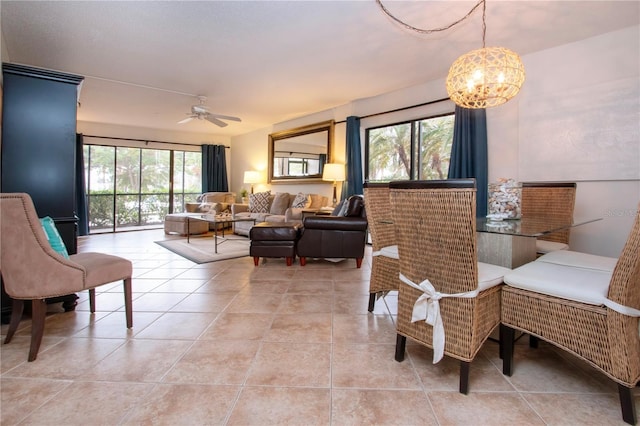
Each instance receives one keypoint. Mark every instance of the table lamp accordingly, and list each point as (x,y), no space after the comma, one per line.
(333,172)
(251,177)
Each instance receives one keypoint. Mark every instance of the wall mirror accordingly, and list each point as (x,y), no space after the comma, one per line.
(299,155)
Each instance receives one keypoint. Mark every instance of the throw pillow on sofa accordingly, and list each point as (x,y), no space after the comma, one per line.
(280,203)
(301,201)
(259,202)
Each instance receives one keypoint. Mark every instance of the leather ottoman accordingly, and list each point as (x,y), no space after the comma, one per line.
(274,239)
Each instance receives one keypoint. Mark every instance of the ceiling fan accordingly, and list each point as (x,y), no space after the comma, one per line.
(201,112)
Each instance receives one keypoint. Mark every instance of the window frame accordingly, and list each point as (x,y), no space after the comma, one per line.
(415,143)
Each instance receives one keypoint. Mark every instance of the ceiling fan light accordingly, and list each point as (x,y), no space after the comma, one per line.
(485,78)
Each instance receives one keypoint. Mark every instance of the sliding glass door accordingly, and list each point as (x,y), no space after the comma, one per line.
(135,188)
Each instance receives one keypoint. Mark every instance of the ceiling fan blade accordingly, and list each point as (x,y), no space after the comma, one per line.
(225,117)
(215,121)
(186,120)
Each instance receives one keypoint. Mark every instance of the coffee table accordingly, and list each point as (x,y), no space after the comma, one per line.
(216,219)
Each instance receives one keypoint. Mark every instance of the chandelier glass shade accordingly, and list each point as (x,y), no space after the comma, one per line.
(485,78)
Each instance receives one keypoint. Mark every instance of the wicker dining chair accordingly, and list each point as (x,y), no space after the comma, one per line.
(384,264)
(435,224)
(586,305)
(551,201)
(33,271)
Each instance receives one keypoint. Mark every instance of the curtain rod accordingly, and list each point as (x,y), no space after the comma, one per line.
(399,109)
(142,140)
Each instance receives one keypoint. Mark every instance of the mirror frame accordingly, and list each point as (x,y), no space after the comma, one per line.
(325,126)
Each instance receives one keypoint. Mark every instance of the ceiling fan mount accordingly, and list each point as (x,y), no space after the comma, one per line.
(201,112)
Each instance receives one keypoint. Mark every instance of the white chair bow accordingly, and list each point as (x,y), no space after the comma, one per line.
(427,308)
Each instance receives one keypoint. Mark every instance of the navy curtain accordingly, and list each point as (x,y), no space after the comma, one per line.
(469,158)
(214,169)
(353,183)
(81,195)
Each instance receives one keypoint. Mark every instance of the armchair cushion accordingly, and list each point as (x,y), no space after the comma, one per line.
(55,240)
(581,260)
(354,206)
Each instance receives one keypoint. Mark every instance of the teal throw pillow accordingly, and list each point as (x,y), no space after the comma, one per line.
(55,240)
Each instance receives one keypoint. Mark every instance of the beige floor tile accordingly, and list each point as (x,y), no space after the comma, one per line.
(82,403)
(22,396)
(305,303)
(292,406)
(65,324)
(291,364)
(445,375)
(238,326)
(272,274)
(139,361)
(370,366)
(543,370)
(313,273)
(380,407)
(354,304)
(163,273)
(578,409)
(215,362)
(310,287)
(272,287)
(300,328)
(351,287)
(363,328)
(181,285)
(171,404)
(17,351)
(478,408)
(157,302)
(68,359)
(105,302)
(204,302)
(114,325)
(178,325)
(231,285)
(255,303)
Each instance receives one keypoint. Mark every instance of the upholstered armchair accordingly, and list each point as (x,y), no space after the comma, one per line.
(33,271)
(335,236)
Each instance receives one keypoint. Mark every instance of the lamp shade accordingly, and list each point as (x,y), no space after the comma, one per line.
(485,78)
(333,172)
(251,176)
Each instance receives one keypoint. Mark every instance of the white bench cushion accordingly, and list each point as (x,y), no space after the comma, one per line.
(543,246)
(389,251)
(583,285)
(580,260)
(490,275)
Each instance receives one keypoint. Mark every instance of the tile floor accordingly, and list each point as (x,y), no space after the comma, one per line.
(230,343)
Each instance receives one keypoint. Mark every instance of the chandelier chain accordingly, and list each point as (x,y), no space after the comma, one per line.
(435,30)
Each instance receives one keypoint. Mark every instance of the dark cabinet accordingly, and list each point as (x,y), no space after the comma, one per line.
(39,142)
(38,151)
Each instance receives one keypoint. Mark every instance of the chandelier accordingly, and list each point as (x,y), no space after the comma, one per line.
(486,77)
(482,78)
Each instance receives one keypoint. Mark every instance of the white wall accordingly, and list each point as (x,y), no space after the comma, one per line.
(599,60)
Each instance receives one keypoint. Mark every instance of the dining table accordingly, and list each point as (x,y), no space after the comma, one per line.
(512,242)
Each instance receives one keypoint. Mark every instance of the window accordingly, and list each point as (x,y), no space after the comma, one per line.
(418,149)
(134,187)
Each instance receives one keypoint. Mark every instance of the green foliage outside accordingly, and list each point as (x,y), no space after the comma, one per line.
(140,178)
(390,150)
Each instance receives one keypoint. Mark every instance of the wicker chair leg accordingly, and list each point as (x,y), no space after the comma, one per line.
(533,342)
(627,404)
(464,377)
(17,307)
(401,343)
(372,301)
(507,335)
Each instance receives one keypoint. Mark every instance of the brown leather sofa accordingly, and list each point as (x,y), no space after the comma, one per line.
(335,236)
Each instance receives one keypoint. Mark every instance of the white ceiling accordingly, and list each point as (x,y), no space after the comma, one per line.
(270,61)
